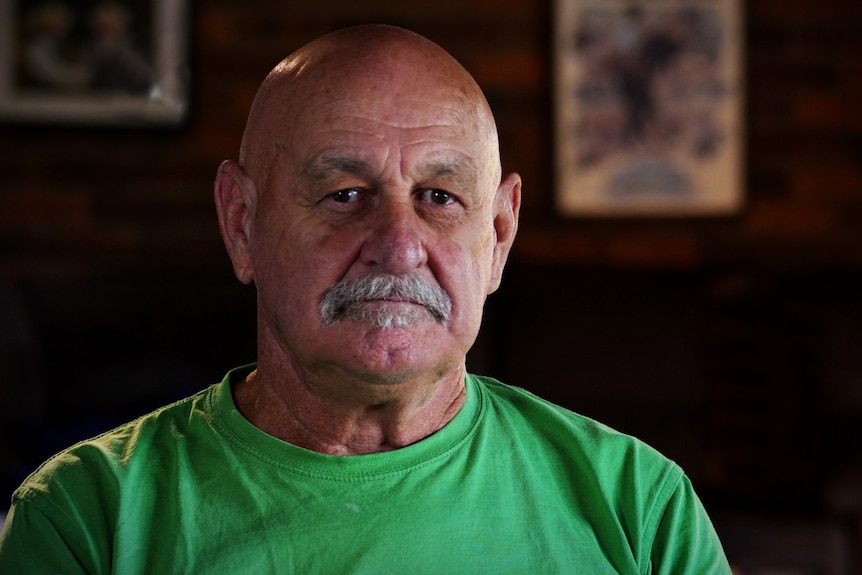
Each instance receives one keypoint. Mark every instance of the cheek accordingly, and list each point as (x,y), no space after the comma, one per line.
(466,265)
(298,267)
(482,257)
(279,266)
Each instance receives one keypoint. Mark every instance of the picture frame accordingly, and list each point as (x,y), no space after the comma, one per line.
(93,62)
(648,99)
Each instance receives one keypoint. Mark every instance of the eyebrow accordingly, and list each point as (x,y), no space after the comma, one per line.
(463,171)
(323,167)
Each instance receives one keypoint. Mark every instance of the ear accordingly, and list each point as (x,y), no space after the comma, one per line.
(507,207)
(235,197)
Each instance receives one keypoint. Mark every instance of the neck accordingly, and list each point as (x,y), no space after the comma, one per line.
(376,417)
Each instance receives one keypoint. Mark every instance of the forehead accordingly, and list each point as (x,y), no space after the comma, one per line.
(365,136)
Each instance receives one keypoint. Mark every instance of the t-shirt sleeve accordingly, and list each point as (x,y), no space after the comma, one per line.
(686,542)
(61,518)
(32,542)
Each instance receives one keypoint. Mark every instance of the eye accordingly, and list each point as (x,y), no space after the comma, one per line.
(345,196)
(438,197)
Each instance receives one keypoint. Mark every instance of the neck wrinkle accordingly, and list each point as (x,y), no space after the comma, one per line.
(296,416)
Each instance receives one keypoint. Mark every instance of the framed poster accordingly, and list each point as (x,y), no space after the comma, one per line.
(649,105)
(93,61)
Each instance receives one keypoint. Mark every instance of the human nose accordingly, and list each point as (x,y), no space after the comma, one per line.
(395,245)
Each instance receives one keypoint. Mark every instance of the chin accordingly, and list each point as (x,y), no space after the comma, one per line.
(397,354)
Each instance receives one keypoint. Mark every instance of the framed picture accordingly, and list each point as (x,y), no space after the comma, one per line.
(93,61)
(649,105)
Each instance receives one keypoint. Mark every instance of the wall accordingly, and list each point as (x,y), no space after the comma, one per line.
(730,343)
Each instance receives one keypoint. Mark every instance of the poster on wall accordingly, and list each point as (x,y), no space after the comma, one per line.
(648,103)
(93,61)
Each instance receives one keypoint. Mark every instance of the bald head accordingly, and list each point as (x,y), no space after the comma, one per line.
(370,63)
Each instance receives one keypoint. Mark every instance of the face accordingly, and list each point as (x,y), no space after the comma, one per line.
(369,181)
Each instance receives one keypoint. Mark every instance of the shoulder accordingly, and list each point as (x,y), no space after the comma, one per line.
(588,445)
(617,482)
(95,464)
(518,403)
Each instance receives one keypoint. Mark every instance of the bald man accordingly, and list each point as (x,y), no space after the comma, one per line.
(369,210)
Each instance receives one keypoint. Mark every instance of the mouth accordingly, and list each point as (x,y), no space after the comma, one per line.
(388,313)
(393,299)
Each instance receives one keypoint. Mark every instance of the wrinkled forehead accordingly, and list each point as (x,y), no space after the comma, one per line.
(377,160)
(368,136)
(378,139)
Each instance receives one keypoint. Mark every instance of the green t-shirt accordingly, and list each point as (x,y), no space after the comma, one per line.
(513,484)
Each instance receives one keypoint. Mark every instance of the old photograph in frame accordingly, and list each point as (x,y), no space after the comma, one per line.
(648,107)
(110,62)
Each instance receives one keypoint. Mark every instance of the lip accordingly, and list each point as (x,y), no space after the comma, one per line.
(393,300)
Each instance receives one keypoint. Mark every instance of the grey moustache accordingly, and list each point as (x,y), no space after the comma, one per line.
(345,299)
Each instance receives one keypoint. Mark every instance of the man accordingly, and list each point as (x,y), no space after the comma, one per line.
(369,210)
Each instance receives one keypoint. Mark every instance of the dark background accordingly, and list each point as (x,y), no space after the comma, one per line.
(732,344)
